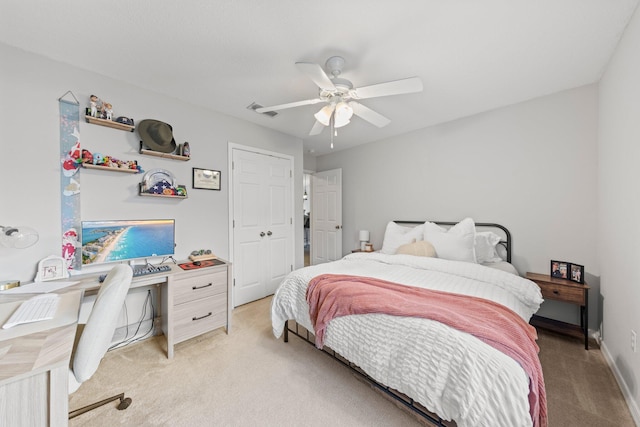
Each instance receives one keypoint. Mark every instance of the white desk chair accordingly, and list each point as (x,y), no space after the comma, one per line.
(98,333)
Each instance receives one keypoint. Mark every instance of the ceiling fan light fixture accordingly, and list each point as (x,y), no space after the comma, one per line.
(324,115)
(343,114)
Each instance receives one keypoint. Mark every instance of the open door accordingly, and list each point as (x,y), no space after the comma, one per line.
(326,216)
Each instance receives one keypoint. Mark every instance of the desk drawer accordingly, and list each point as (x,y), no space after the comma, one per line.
(197,317)
(202,286)
(562,293)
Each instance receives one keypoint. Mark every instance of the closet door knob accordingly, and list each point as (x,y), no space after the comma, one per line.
(262,234)
(269,233)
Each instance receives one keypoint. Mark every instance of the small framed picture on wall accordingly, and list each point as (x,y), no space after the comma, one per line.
(559,269)
(576,273)
(206,179)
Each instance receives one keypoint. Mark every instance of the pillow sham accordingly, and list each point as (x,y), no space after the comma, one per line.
(421,248)
(485,247)
(397,235)
(456,243)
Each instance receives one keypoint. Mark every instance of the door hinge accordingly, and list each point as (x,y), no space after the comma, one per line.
(233,165)
(291,221)
(291,267)
(234,283)
(234,223)
(290,173)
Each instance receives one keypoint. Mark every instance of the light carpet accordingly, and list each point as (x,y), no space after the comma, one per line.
(249,378)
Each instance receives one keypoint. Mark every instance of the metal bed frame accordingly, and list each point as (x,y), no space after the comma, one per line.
(398,397)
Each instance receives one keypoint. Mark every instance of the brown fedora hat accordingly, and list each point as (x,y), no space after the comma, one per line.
(157,135)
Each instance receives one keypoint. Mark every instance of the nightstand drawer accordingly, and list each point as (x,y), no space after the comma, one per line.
(562,293)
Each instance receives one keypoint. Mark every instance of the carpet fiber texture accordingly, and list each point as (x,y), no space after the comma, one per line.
(249,378)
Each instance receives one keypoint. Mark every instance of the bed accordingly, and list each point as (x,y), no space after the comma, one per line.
(446,375)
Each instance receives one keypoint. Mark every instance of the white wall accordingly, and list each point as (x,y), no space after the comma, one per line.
(530,167)
(30,86)
(619,209)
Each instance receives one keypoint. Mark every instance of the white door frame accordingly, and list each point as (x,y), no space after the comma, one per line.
(234,146)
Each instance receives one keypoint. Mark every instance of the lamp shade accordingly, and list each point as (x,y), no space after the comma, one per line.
(343,114)
(324,115)
(18,237)
(364,235)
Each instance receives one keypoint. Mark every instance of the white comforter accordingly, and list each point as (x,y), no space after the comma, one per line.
(451,373)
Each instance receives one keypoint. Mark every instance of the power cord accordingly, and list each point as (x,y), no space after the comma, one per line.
(126,341)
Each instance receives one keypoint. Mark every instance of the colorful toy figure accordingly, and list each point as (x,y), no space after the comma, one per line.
(98,159)
(87,157)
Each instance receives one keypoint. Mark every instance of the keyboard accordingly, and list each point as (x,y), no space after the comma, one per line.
(40,307)
(142,270)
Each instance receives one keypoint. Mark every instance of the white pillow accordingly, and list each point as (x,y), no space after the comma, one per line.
(456,244)
(485,247)
(398,235)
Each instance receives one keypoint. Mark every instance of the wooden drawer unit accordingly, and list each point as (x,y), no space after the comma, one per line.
(566,291)
(195,302)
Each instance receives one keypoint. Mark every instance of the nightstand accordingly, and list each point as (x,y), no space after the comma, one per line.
(566,291)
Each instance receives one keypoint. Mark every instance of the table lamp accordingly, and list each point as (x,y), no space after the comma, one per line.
(364,239)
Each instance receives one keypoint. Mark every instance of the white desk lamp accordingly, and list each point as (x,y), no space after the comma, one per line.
(364,239)
(18,237)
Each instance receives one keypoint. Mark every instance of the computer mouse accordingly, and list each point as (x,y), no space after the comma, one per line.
(196,263)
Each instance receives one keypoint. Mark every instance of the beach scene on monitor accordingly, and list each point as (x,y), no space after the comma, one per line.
(111,241)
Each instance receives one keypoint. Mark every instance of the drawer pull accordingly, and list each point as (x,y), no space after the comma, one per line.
(555,291)
(202,317)
(200,287)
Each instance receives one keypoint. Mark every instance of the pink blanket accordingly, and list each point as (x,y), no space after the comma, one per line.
(333,295)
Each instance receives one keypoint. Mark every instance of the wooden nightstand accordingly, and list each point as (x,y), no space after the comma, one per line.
(565,291)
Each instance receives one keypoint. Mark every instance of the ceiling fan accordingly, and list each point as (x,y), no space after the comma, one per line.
(342,98)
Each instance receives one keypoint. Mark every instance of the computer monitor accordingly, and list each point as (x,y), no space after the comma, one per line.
(122,240)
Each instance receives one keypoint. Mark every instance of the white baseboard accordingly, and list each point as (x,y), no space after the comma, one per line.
(633,407)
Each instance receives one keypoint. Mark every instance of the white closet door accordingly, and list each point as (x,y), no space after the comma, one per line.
(326,216)
(262,224)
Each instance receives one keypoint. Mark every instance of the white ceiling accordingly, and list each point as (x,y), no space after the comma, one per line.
(472,56)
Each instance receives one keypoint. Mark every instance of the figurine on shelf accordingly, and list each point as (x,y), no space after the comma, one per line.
(94,105)
(186,150)
(107,111)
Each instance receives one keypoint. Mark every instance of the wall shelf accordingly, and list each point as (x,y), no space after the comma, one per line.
(141,192)
(165,155)
(108,168)
(109,123)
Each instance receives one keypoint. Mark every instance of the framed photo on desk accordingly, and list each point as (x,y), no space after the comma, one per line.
(51,268)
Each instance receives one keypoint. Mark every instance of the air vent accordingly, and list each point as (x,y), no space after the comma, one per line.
(255,106)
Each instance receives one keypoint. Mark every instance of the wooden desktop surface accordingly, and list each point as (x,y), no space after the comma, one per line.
(34,363)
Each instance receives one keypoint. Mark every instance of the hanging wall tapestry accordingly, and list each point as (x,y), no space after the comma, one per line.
(70,160)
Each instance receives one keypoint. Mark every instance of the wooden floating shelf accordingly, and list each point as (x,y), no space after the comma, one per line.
(109,123)
(165,155)
(166,196)
(107,168)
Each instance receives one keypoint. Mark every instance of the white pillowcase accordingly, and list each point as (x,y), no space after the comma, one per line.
(456,243)
(397,235)
(486,251)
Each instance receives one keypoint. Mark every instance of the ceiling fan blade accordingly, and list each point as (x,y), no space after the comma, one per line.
(317,128)
(316,74)
(396,87)
(289,105)
(369,115)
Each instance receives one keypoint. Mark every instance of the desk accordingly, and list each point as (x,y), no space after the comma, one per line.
(192,302)
(34,364)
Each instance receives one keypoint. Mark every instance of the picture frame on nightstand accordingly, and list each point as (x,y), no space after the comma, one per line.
(576,273)
(559,269)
